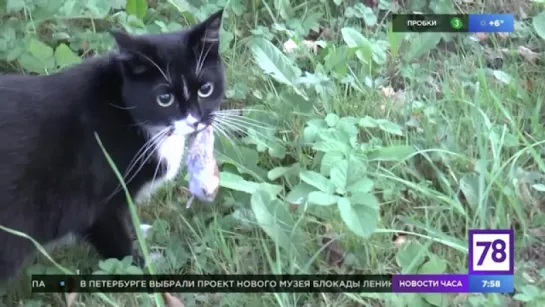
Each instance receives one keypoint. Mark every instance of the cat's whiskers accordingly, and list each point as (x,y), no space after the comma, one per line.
(186,90)
(161,84)
(242,121)
(201,60)
(240,127)
(156,169)
(158,140)
(244,130)
(241,111)
(151,143)
(198,59)
(148,145)
(218,128)
(168,69)
(238,113)
(139,154)
(245,122)
(121,107)
(167,78)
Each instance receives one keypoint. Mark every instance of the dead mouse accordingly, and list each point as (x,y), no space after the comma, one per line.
(202,167)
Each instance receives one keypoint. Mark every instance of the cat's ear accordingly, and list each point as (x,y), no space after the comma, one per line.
(130,51)
(207,31)
(124,40)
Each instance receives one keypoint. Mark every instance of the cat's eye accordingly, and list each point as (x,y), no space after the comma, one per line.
(206,90)
(165,100)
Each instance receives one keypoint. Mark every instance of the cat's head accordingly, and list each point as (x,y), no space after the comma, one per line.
(173,80)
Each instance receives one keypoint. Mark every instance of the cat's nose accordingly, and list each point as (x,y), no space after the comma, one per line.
(192,121)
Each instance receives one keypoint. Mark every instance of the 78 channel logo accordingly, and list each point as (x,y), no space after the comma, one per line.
(491,252)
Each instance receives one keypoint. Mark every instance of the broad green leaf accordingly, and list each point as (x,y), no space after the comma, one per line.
(365,49)
(276,150)
(395,39)
(436,299)
(388,126)
(348,126)
(298,195)
(14,6)
(369,17)
(277,220)
(329,160)
(434,265)
(365,199)
(422,44)
(414,299)
(523,297)
(539,187)
(531,291)
(391,153)
(101,8)
(108,265)
(335,60)
(274,63)
(244,158)
(273,189)
(31,63)
(283,8)
(237,183)
(368,122)
(317,122)
(136,24)
(331,145)
(410,256)
(137,8)
(442,7)
(322,199)
(295,102)
(354,39)
(332,119)
(339,175)
(310,134)
(317,180)
(362,185)
(356,170)
(469,184)
(261,202)
(40,50)
(64,56)
(539,24)
(133,270)
(362,220)
(277,172)
(280,171)
(332,140)
(118,4)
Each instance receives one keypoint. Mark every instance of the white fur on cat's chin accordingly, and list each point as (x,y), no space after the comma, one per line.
(170,152)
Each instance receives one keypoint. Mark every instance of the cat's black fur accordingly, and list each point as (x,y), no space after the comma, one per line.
(54,178)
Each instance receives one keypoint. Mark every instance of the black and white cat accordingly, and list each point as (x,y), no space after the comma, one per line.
(142,101)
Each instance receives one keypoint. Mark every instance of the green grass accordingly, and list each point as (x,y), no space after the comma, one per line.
(459,146)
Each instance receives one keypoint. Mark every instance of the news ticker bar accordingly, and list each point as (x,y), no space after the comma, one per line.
(453,23)
(443,283)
